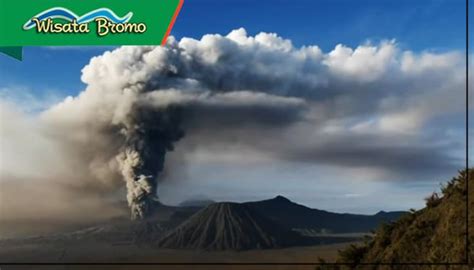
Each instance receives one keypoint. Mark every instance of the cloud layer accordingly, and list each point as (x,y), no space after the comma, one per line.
(256,99)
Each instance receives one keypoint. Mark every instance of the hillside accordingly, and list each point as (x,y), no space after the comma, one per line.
(436,233)
(223,226)
(293,215)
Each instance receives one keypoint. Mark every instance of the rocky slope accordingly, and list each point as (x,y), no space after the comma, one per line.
(224,226)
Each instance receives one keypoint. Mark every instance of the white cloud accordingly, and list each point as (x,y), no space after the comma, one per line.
(365,63)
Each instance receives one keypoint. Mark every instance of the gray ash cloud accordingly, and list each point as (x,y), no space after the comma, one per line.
(258,92)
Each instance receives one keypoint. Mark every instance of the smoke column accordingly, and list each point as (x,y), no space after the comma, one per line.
(139,101)
(148,135)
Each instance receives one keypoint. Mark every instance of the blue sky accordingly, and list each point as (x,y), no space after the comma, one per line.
(416,24)
(434,26)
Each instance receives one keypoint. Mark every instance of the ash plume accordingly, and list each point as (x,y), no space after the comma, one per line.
(340,108)
(138,103)
(148,135)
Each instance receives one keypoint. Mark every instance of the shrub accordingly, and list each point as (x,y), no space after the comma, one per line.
(433,200)
(353,254)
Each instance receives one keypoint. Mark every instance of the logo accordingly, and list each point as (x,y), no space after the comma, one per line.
(107,22)
(85,23)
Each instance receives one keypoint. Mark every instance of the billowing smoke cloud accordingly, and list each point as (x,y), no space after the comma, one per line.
(137,97)
(341,108)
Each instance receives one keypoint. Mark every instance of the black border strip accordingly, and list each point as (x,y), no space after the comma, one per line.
(243,264)
(467,134)
(467,250)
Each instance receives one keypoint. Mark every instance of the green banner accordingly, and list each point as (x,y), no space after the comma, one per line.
(79,22)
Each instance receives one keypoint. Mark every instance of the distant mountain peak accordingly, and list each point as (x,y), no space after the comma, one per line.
(281,198)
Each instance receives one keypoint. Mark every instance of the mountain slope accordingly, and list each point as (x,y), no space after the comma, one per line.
(223,226)
(292,215)
(436,233)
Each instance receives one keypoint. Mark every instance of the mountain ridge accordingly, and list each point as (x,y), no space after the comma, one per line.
(293,215)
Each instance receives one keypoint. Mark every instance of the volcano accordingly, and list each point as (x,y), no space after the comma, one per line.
(229,226)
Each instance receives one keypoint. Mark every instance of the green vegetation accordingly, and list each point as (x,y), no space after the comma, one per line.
(436,233)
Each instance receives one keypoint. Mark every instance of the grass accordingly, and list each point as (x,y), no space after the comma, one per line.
(434,234)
